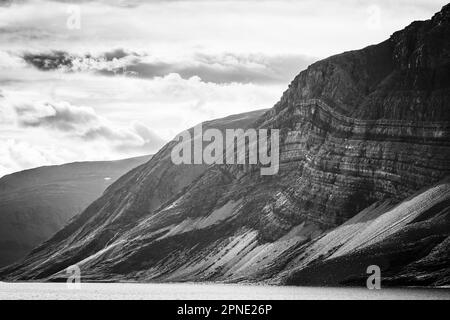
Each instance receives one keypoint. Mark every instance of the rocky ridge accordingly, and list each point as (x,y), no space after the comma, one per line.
(36,203)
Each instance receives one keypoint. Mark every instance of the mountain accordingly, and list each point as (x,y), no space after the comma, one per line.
(36,203)
(164,180)
(364,156)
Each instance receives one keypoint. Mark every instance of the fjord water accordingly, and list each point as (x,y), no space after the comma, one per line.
(136,291)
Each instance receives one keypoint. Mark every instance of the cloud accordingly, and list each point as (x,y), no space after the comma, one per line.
(150,141)
(83,123)
(81,117)
(216,68)
(315,28)
(116,126)
(165,104)
(16,155)
(51,61)
(135,3)
(5,3)
(10,61)
(56,115)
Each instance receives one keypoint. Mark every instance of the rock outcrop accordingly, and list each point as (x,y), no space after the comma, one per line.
(360,133)
(409,241)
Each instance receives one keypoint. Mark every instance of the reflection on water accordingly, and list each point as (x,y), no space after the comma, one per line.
(204,291)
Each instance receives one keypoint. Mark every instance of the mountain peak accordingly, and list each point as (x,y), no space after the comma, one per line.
(444,13)
(405,78)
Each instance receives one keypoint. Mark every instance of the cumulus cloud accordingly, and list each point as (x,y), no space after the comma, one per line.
(57,115)
(83,123)
(44,132)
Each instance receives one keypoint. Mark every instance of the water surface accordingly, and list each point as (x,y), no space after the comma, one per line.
(135,291)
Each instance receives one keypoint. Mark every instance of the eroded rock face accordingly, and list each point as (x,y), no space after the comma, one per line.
(364,129)
(408,241)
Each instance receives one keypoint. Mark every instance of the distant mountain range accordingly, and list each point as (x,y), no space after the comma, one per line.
(365,156)
(36,203)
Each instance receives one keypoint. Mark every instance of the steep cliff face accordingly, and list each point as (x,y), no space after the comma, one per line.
(36,203)
(363,130)
(403,78)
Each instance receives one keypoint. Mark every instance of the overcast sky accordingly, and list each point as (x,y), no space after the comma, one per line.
(127,76)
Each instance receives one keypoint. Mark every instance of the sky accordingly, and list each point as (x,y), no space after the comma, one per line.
(103,80)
